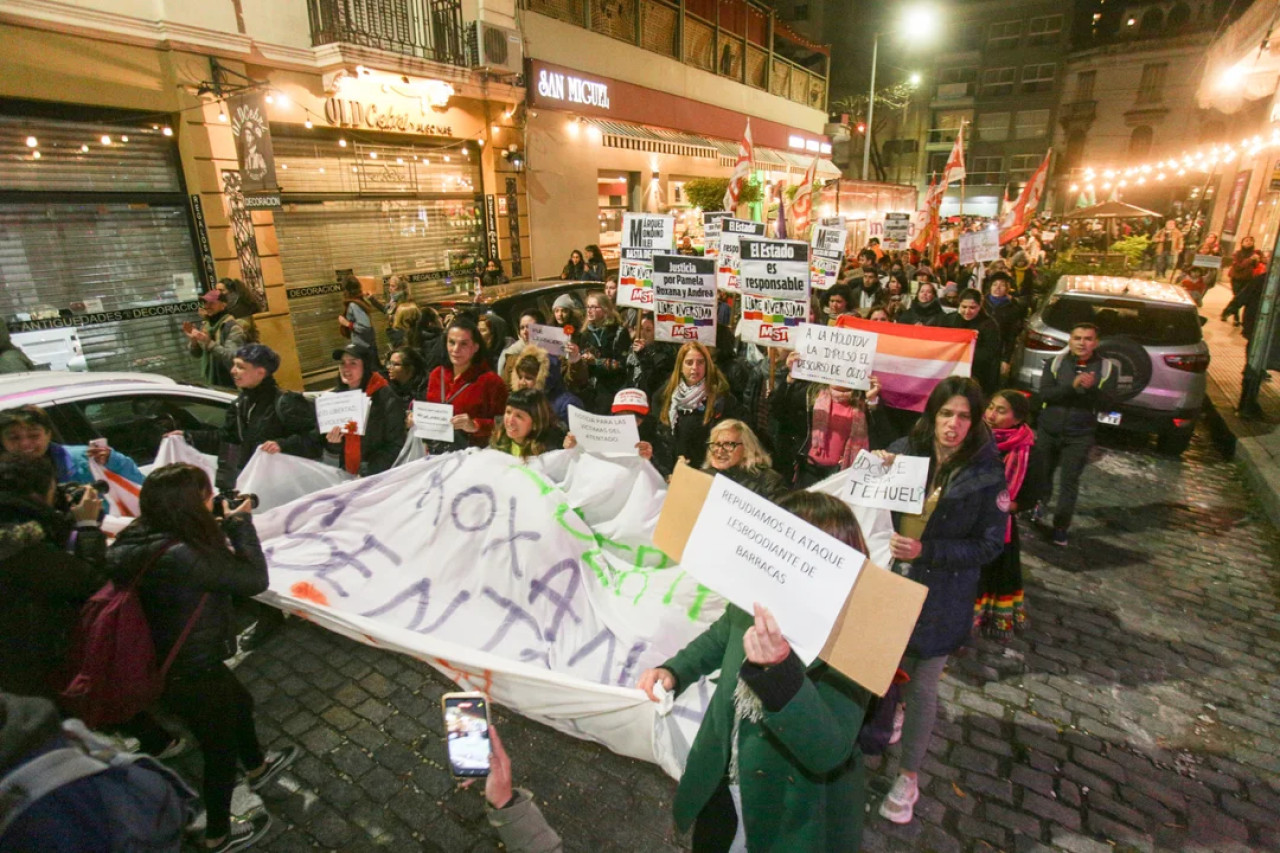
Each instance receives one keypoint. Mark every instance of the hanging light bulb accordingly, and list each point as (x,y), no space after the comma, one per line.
(84,149)
(167,131)
(106,140)
(35,155)
(270,99)
(124,139)
(342,143)
(307,124)
(222,114)
(32,142)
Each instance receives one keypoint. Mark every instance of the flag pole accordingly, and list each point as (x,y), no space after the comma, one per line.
(962,174)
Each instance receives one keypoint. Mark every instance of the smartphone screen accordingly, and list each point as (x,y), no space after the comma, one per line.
(466,725)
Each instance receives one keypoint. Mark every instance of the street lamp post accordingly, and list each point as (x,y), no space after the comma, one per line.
(871,106)
(920,21)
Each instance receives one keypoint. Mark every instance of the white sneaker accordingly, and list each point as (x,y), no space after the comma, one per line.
(899,805)
(899,717)
(245,804)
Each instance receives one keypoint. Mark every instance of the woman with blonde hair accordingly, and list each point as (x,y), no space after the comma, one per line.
(734,450)
(600,369)
(695,399)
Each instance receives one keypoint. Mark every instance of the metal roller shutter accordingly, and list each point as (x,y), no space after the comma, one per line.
(408,210)
(115,259)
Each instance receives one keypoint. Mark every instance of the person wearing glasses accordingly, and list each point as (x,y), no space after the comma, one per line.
(735,451)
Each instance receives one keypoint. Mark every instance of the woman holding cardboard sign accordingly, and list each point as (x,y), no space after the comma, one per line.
(775,764)
(945,547)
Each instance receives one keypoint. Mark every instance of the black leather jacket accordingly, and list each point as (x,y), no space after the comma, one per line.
(171,589)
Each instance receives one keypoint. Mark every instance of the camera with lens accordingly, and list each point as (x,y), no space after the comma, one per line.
(228,499)
(69,494)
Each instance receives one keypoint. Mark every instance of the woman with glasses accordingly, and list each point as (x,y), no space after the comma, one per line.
(696,398)
(734,450)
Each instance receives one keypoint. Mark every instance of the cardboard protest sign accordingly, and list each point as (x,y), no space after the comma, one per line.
(432,420)
(340,408)
(775,290)
(979,247)
(711,232)
(832,356)
(643,236)
(550,339)
(899,487)
(871,630)
(827,254)
(604,434)
(684,292)
(897,230)
(729,257)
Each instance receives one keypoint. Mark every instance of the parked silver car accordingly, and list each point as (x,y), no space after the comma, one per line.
(1151,330)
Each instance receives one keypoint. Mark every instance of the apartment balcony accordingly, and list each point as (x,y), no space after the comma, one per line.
(1078,113)
(953,95)
(719,44)
(940,138)
(426,29)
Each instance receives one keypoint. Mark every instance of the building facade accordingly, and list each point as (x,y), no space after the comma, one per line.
(123,196)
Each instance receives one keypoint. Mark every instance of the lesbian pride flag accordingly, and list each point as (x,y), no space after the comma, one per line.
(910,360)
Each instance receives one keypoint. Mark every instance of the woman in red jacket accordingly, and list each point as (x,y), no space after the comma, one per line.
(468,383)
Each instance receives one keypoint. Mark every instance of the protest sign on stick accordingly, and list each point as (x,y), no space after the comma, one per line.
(897,230)
(342,408)
(898,487)
(604,434)
(729,258)
(551,339)
(711,232)
(643,236)
(832,356)
(827,254)
(433,420)
(979,247)
(684,292)
(775,290)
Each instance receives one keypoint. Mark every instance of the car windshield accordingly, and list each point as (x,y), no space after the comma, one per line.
(1150,324)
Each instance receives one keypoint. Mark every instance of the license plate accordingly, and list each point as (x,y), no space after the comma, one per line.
(1110,418)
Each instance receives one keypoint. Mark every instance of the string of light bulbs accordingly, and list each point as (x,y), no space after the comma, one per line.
(1206,160)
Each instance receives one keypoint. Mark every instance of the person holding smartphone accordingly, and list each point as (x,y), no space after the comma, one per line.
(775,764)
(189,563)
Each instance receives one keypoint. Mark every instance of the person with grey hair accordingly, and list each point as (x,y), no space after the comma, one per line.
(734,450)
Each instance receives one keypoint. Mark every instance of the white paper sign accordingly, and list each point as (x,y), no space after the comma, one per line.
(832,356)
(1213,262)
(684,292)
(656,232)
(711,232)
(748,550)
(978,247)
(549,338)
(432,420)
(826,256)
(897,230)
(604,434)
(775,290)
(339,408)
(899,488)
(730,256)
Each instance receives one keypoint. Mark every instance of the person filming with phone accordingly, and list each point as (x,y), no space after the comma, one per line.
(191,551)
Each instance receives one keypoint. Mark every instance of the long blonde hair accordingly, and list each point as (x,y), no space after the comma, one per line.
(714,379)
(611,315)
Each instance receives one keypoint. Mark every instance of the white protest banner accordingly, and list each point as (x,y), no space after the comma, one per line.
(711,232)
(340,408)
(1213,262)
(604,434)
(643,236)
(278,478)
(899,487)
(832,222)
(174,448)
(979,247)
(828,252)
(833,356)
(551,339)
(775,290)
(897,230)
(748,550)
(432,420)
(684,293)
(729,259)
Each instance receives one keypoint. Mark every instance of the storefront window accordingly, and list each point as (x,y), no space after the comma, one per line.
(614,193)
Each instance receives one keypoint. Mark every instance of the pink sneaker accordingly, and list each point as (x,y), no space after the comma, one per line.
(899,805)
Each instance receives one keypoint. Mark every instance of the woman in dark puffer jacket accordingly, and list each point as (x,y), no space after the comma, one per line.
(193,564)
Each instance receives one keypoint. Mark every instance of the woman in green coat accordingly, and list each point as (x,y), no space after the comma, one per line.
(775,765)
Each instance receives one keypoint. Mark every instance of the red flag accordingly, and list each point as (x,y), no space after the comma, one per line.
(1014,222)
(802,206)
(954,170)
(927,217)
(741,170)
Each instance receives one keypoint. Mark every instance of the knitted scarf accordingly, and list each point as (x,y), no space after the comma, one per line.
(351,447)
(686,398)
(827,425)
(1015,447)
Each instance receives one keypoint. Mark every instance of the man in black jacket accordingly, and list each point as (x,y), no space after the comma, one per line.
(1074,387)
(42,584)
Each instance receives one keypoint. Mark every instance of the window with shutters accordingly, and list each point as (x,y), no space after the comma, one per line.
(95,231)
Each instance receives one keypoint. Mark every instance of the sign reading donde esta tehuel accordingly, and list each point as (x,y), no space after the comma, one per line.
(898,487)
(830,601)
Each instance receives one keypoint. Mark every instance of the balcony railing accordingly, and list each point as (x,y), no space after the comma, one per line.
(659,26)
(429,29)
(1079,111)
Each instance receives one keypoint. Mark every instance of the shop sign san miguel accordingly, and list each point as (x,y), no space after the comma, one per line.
(252,132)
(558,86)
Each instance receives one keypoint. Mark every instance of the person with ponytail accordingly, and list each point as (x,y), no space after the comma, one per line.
(376,450)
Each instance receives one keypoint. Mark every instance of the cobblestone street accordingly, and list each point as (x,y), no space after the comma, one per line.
(1139,708)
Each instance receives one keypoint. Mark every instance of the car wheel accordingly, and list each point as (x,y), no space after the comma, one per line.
(1133,365)
(1174,442)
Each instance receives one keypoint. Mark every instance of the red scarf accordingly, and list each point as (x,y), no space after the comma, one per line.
(351,447)
(1015,447)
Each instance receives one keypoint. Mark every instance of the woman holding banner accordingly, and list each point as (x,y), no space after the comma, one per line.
(696,398)
(961,529)
(775,764)
(477,394)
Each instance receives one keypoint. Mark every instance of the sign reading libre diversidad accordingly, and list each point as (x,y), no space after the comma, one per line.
(684,297)
(775,290)
(643,236)
(729,255)
(832,356)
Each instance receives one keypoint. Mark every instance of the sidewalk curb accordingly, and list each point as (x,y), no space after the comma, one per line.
(1260,471)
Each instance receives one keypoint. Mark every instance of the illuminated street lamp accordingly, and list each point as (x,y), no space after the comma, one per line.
(921,21)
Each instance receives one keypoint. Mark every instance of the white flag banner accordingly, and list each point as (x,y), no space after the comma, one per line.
(277,478)
(537,583)
(174,449)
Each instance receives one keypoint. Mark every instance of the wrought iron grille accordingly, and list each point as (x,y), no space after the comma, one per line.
(430,29)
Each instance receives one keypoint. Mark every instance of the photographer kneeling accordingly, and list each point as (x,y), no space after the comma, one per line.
(191,563)
(42,584)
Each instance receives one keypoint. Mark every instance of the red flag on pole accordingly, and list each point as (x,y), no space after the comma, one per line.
(741,170)
(802,205)
(954,170)
(1015,222)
